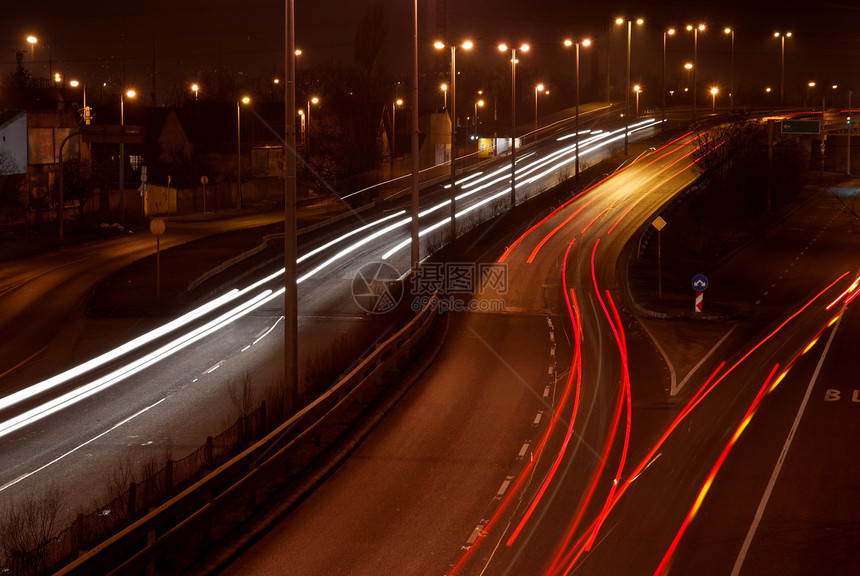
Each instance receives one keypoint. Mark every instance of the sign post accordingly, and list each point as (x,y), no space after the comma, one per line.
(659,224)
(700,282)
(156,226)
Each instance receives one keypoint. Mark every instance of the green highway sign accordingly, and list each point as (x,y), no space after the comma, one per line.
(801,126)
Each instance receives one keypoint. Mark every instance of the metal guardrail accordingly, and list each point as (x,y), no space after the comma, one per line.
(288,450)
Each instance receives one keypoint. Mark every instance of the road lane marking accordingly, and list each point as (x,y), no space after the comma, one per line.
(73,450)
(766,496)
(704,358)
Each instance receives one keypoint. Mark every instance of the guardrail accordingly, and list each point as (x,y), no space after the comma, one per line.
(185,521)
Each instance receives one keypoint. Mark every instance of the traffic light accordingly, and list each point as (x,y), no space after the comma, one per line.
(848,120)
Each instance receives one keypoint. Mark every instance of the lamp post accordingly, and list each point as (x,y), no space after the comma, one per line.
(782,36)
(444,96)
(569,43)
(130,94)
(86,113)
(639,21)
(467,45)
(714,92)
(397,102)
(244,100)
(637,90)
(478,104)
(32,40)
(504,48)
(695,30)
(731,32)
(538,89)
(669,32)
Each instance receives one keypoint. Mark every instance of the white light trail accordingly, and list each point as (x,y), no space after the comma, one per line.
(104,382)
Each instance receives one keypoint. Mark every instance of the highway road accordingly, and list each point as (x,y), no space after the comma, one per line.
(568,435)
(168,392)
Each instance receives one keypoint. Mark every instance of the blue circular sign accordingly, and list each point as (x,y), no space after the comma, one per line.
(700,282)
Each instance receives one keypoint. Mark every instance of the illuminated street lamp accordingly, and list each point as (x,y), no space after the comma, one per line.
(312,100)
(478,104)
(195,88)
(695,30)
(731,32)
(244,100)
(639,21)
(444,96)
(569,43)
(637,90)
(538,89)
(130,94)
(32,40)
(504,48)
(86,112)
(466,45)
(782,36)
(397,102)
(669,32)
(714,92)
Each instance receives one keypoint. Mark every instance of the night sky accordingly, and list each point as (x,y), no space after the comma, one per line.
(99,40)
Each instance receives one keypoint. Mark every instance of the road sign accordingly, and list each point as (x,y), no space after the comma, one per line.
(113,134)
(700,296)
(801,126)
(658,223)
(700,282)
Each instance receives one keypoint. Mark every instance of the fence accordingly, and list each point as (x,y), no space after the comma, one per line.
(152,534)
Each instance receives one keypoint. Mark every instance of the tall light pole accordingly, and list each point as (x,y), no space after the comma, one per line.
(569,43)
(538,89)
(397,102)
(312,100)
(639,21)
(669,32)
(478,104)
(466,45)
(850,93)
(244,100)
(782,36)
(32,41)
(695,30)
(130,94)
(637,90)
(504,48)
(291,306)
(444,96)
(731,32)
(714,92)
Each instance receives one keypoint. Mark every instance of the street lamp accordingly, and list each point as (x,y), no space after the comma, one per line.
(569,43)
(714,92)
(538,89)
(312,100)
(638,90)
(86,113)
(731,32)
(130,94)
(669,32)
(504,48)
(195,88)
(695,30)
(444,96)
(244,100)
(397,102)
(32,40)
(478,104)
(467,45)
(782,36)
(639,21)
